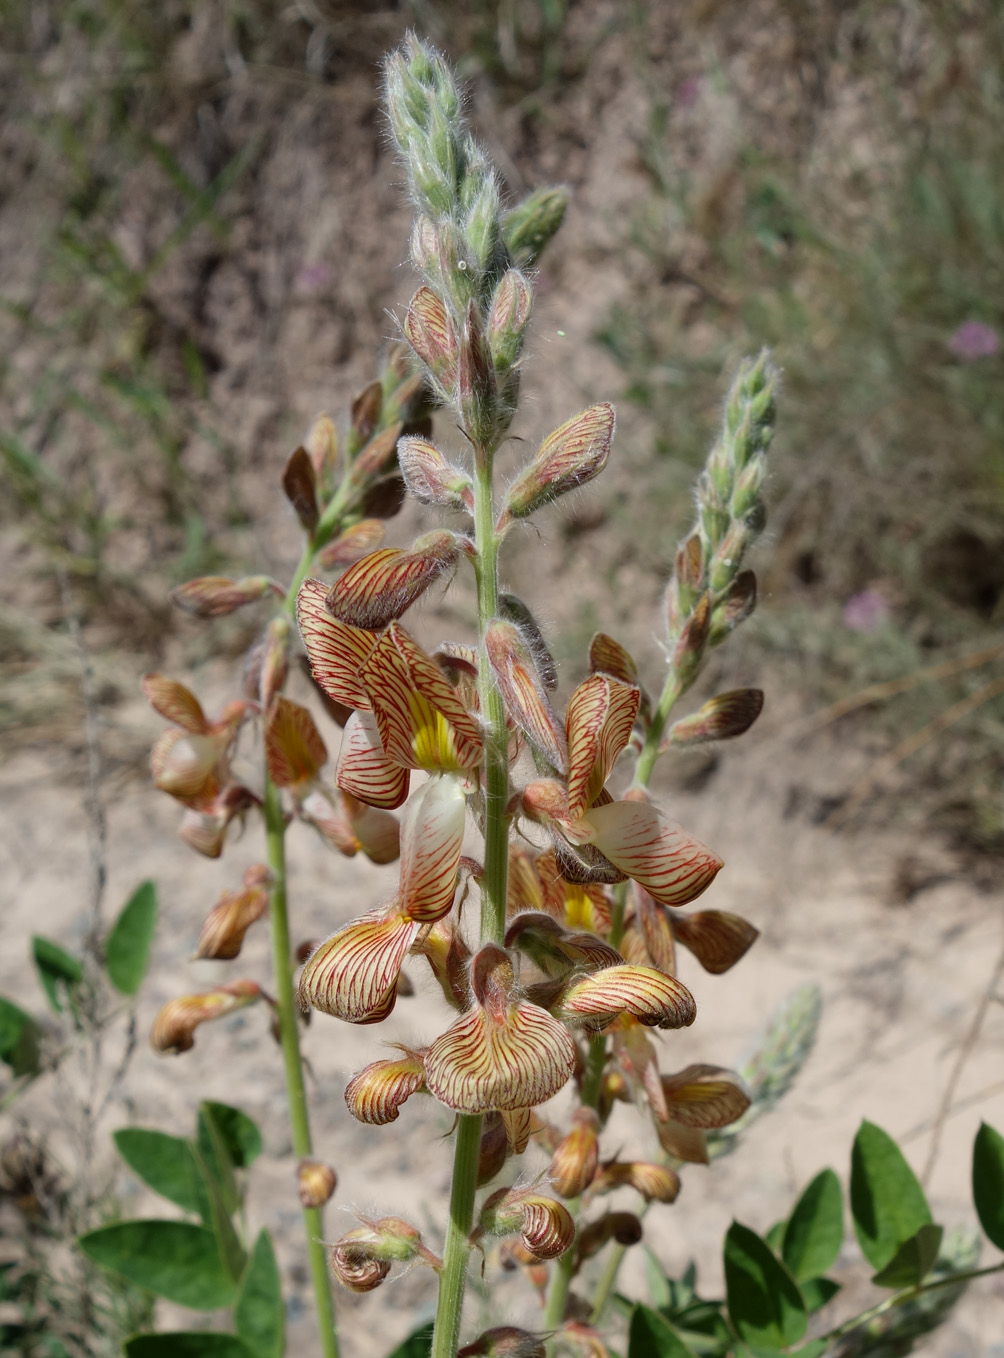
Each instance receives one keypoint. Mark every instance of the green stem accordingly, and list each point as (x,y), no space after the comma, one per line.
(650,750)
(296,1094)
(911,1294)
(453,1277)
(606,1283)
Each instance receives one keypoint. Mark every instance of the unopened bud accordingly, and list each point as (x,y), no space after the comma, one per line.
(569,457)
(656,1183)
(363,1258)
(430,478)
(376,1094)
(365,417)
(356,542)
(213,596)
(385,584)
(430,333)
(315,1182)
(424,244)
(322,447)
(275,660)
(622,1227)
(481,226)
(723,717)
(736,607)
(229,920)
(476,380)
(299,481)
(689,650)
(175,1025)
(529,226)
(544,1225)
(748,485)
(729,555)
(494,1148)
(508,319)
(574,1162)
(505,1341)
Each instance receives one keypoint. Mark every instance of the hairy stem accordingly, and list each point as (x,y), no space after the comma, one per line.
(911,1294)
(493,902)
(653,739)
(296,1094)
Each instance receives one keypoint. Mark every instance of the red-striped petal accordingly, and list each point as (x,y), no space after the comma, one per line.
(482,1063)
(523,691)
(641,841)
(518,1124)
(422,722)
(385,584)
(376,1094)
(599,719)
(432,836)
(656,1000)
(717,938)
(569,457)
(607,656)
(335,650)
(175,703)
(354,974)
(364,770)
(294,750)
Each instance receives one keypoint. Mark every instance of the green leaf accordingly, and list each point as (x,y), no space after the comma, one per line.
(259,1315)
(816,1292)
(887,1202)
(775,1236)
(650,1336)
(231,1250)
(988,1183)
(167,1164)
(20,1037)
(174,1259)
(417,1345)
(659,1289)
(127,949)
(240,1134)
(913,1261)
(815,1229)
(55,966)
(186,1344)
(764,1302)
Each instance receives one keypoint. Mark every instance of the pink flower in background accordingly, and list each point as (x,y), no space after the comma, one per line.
(313,276)
(866,612)
(687,92)
(973,340)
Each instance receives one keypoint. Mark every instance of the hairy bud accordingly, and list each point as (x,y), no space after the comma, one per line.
(213,596)
(529,226)
(544,1226)
(508,319)
(569,457)
(315,1182)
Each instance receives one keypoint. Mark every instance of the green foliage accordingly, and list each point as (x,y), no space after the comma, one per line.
(887,1202)
(815,1230)
(19,1039)
(259,1314)
(988,1183)
(127,949)
(913,1261)
(416,1345)
(187,1344)
(167,1164)
(56,968)
(764,1302)
(650,1336)
(222,1126)
(173,1259)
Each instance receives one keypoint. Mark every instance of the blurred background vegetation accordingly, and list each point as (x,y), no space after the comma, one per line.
(200,236)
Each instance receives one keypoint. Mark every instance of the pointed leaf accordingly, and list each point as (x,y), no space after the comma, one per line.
(187,1344)
(815,1229)
(818,1291)
(55,967)
(240,1134)
(913,1261)
(650,1336)
(988,1183)
(166,1163)
(887,1202)
(764,1302)
(217,1169)
(174,1259)
(260,1315)
(127,948)
(20,1036)
(335,650)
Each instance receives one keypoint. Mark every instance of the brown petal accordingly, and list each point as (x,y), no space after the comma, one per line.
(721,718)
(299,481)
(716,938)
(175,703)
(705,1096)
(653,921)
(353,544)
(656,1000)
(576,1157)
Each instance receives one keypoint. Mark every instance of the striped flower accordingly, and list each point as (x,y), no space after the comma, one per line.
(504,1053)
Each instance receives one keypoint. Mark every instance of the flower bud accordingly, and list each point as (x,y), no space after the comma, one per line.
(430,333)
(723,717)
(354,1266)
(749,482)
(175,1025)
(481,226)
(322,448)
(229,920)
(508,319)
(356,542)
(736,607)
(689,650)
(505,1341)
(656,1183)
(574,1162)
(385,584)
(213,596)
(729,556)
(430,478)
(365,417)
(494,1148)
(476,386)
(529,226)
(569,457)
(544,1225)
(376,1094)
(363,1258)
(315,1182)
(622,1227)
